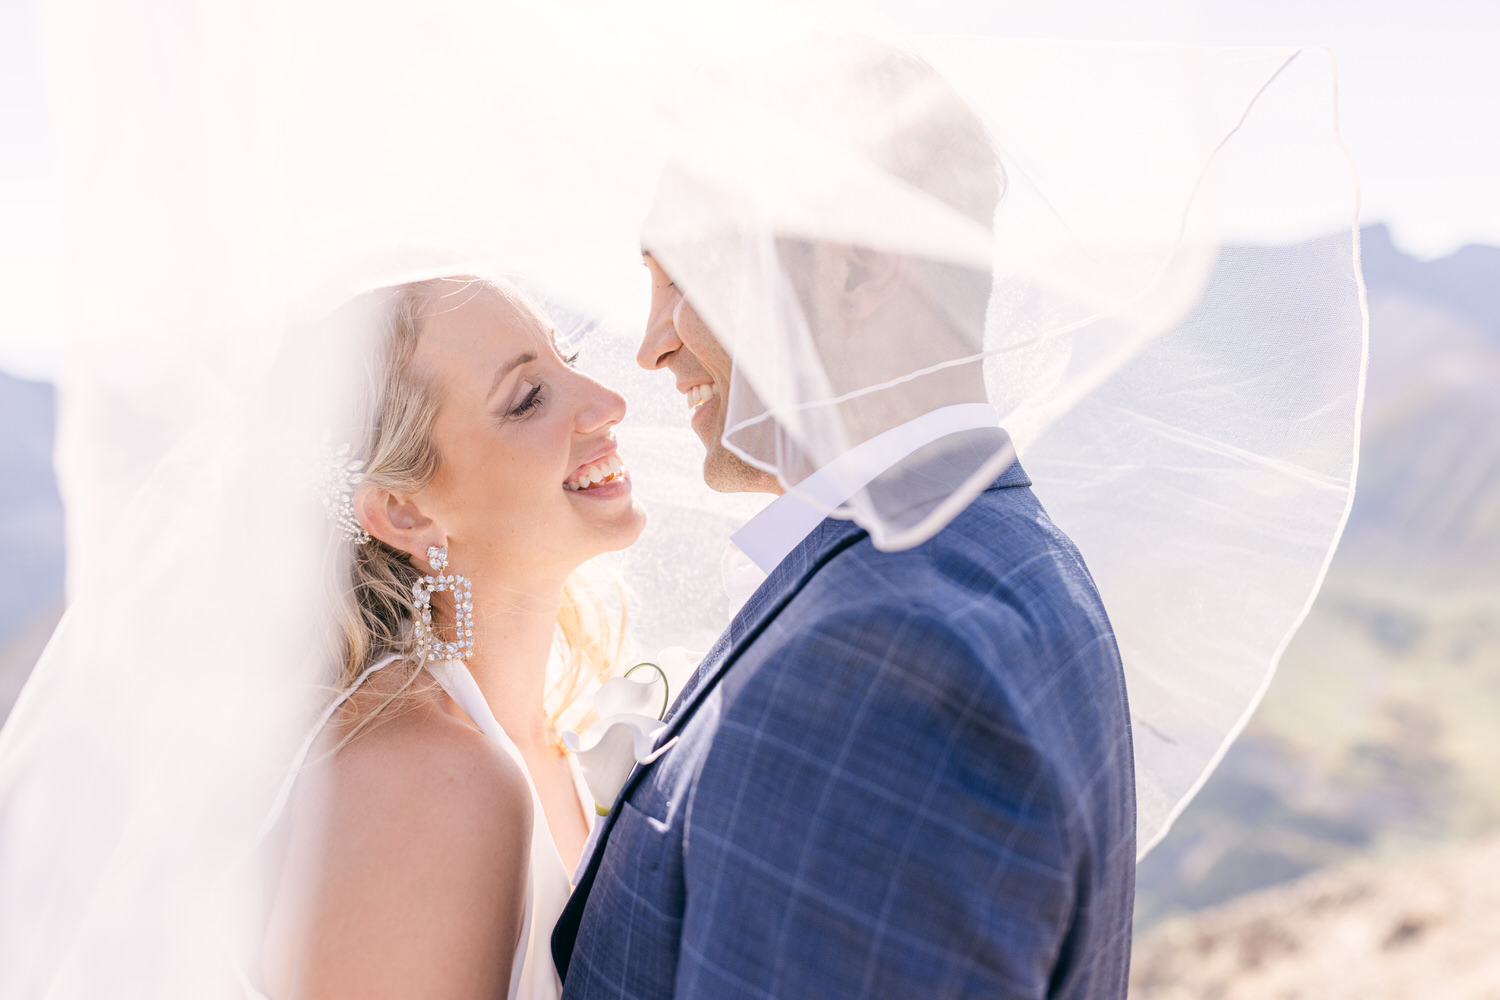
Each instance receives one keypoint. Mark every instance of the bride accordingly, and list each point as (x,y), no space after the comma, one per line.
(438,818)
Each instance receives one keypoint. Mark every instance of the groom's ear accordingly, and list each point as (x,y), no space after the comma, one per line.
(869,278)
(396,519)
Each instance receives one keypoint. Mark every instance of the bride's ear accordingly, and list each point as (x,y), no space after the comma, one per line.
(395,519)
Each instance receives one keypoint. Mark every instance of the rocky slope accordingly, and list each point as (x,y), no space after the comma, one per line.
(1425,928)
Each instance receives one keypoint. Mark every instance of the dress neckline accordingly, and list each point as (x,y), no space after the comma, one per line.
(455,679)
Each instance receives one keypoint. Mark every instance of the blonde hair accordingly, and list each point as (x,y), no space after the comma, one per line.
(375,609)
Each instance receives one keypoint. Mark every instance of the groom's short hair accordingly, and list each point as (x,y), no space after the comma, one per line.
(895,111)
(898,111)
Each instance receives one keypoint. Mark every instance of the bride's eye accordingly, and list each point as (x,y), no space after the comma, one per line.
(529,402)
(572,359)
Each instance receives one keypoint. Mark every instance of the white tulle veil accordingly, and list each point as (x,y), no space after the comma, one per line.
(1174,341)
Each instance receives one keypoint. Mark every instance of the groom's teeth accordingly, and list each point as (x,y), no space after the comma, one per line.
(700,394)
(596,473)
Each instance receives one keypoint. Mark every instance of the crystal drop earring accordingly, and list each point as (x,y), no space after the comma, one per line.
(429,645)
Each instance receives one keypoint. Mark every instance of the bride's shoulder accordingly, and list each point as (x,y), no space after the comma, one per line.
(422,774)
(412,839)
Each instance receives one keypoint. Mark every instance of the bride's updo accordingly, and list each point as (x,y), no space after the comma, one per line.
(399,455)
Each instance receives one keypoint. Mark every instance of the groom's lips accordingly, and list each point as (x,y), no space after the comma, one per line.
(701,396)
(700,415)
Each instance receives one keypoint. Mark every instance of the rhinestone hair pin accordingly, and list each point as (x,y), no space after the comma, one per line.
(341,474)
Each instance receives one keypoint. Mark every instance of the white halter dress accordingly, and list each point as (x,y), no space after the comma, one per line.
(532,976)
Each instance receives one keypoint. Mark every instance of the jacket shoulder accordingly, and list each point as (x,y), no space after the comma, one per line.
(1001,568)
(995,619)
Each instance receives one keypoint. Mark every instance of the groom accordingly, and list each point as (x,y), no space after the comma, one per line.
(899,774)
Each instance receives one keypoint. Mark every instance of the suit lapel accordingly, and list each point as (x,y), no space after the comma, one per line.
(814,552)
(784,583)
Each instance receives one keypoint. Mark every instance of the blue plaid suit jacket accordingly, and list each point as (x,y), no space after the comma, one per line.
(899,774)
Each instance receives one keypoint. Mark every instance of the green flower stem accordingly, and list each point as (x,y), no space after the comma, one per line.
(666,687)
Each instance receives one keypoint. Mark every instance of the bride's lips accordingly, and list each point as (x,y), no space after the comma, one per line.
(617,486)
(600,477)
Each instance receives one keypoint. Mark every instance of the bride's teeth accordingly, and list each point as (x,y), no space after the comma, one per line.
(597,473)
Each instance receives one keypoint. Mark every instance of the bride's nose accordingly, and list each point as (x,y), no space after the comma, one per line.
(601,407)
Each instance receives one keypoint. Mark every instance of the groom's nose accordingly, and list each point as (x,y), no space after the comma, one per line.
(660,341)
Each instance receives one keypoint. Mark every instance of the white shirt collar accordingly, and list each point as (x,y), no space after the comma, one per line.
(769,536)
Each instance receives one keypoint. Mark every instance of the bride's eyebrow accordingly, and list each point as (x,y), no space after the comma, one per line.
(525,357)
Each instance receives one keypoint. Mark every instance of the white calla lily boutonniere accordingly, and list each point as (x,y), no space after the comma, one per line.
(630,710)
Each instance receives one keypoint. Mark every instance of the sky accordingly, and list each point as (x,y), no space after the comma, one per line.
(1419,99)
(1420,104)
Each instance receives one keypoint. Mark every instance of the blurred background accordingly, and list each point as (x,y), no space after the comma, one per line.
(1349,844)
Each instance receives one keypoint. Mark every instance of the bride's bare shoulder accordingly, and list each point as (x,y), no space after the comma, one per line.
(428,769)
(413,841)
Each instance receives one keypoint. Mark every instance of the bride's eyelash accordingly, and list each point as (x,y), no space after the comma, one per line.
(532,401)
